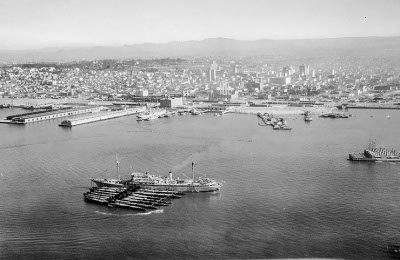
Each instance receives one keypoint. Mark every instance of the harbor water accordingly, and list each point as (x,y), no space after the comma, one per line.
(286,194)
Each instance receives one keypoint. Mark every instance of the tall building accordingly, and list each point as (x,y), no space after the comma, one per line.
(235,69)
(304,70)
(212,73)
(224,91)
(287,71)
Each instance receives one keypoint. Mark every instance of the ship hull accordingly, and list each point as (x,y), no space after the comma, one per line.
(180,188)
(361,157)
(102,183)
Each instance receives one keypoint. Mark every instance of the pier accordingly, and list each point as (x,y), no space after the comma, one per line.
(372,107)
(335,115)
(47,115)
(276,123)
(130,198)
(100,116)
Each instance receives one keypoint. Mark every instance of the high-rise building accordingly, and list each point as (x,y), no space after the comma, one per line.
(235,69)
(212,73)
(304,70)
(287,71)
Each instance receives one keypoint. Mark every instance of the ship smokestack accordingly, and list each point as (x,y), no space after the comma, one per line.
(193,170)
(170,175)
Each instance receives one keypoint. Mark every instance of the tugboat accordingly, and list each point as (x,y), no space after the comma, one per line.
(373,153)
(307,116)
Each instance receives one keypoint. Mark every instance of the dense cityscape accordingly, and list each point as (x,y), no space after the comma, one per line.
(215,79)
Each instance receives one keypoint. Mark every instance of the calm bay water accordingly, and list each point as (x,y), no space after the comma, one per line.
(286,194)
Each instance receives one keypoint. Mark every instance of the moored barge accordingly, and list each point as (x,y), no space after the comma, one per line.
(373,153)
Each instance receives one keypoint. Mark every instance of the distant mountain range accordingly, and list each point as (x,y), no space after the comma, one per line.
(375,46)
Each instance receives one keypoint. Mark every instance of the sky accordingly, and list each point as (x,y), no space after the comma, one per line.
(30,24)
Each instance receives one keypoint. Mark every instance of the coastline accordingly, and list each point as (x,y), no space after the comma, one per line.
(274,109)
(282,110)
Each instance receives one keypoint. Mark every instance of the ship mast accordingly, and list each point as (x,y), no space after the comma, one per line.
(116,159)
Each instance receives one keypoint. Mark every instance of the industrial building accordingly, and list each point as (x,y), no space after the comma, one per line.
(171,102)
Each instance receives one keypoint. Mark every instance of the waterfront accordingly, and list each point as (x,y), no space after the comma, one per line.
(286,194)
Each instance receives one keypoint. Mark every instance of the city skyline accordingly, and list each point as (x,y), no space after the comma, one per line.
(26,24)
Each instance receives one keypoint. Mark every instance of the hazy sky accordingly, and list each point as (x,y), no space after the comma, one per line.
(44,23)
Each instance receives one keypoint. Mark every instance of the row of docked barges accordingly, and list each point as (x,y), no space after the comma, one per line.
(131,197)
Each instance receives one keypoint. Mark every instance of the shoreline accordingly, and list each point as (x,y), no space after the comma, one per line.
(274,109)
(282,110)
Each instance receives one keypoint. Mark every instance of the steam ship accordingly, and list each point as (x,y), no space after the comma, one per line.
(161,183)
(154,182)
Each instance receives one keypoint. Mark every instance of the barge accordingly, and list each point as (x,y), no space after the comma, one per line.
(376,154)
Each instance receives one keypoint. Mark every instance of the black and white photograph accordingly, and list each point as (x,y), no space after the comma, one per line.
(200,129)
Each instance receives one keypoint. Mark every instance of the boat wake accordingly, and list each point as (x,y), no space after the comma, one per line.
(158,211)
(105,213)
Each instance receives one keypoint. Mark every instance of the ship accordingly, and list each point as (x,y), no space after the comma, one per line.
(151,115)
(373,153)
(110,182)
(307,116)
(163,183)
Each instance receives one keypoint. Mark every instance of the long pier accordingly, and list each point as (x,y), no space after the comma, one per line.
(373,107)
(100,116)
(47,115)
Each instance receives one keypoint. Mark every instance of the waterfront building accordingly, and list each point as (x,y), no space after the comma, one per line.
(171,102)
(142,93)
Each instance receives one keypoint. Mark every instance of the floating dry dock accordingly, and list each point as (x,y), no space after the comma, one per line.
(130,198)
(47,115)
(100,116)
